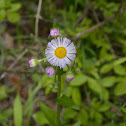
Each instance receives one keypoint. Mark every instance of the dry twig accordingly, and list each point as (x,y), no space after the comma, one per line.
(37,19)
(85,11)
(36,28)
(100,23)
(18,72)
(14,63)
(105,35)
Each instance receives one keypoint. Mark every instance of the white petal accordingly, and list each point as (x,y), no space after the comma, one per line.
(71,56)
(68,62)
(66,42)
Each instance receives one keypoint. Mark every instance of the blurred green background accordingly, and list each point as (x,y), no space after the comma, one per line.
(97,28)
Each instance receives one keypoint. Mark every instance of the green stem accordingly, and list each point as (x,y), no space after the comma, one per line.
(58,96)
(44,59)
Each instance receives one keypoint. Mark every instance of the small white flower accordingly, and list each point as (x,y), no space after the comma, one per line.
(60,52)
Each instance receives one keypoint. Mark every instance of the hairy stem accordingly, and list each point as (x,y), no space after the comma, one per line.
(58,96)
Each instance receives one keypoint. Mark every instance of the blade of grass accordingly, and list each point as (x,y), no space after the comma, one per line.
(112,122)
(2,55)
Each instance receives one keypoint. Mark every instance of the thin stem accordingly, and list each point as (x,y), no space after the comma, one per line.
(37,19)
(58,96)
(112,122)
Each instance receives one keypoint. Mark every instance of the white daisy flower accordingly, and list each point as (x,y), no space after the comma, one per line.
(60,52)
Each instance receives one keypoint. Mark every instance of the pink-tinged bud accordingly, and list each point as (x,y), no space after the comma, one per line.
(70,79)
(69,76)
(54,32)
(33,62)
(50,71)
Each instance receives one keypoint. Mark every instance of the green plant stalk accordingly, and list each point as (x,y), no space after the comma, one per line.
(112,122)
(58,96)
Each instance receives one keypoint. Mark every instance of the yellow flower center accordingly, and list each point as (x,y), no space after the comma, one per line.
(60,52)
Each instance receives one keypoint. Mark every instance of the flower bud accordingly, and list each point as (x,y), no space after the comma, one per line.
(69,76)
(50,71)
(33,62)
(54,32)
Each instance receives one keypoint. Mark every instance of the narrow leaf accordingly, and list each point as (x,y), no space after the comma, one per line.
(106,68)
(120,89)
(108,81)
(120,69)
(18,114)
(94,85)
(79,80)
(49,114)
(66,101)
(77,124)
(119,61)
(40,118)
(76,96)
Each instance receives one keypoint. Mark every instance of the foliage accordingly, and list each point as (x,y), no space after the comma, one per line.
(9,9)
(49,114)
(99,85)
(17,110)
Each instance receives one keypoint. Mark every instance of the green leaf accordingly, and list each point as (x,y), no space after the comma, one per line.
(121,79)
(83,117)
(69,91)
(47,90)
(108,81)
(98,117)
(18,112)
(3,92)
(106,68)
(77,124)
(66,101)
(40,118)
(69,113)
(104,107)
(46,80)
(15,7)
(49,114)
(2,4)
(120,89)
(6,114)
(124,110)
(2,15)
(79,80)
(119,61)
(94,85)
(13,17)
(104,94)
(36,77)
(120,70)
(76,96)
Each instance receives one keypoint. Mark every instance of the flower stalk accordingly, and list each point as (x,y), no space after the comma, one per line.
(58,96)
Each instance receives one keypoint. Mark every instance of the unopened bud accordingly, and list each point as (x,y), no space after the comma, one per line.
(54,32)
(50,71)
(34,62)
(69,76)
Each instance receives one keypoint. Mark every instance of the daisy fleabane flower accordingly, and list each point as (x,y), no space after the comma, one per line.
(60,52)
